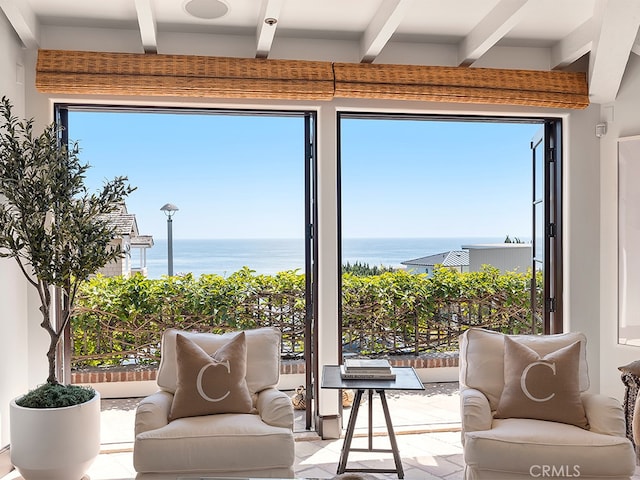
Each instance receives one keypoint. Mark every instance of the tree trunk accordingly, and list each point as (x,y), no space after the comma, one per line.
(54,338)
(51,356)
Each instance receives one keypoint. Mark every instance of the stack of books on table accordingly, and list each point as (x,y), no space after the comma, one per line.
(366,368)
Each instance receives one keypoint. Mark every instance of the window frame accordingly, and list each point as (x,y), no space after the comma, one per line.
(553,256)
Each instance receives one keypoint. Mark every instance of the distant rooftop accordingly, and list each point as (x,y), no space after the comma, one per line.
(453,258)
(124,223)
(479,246)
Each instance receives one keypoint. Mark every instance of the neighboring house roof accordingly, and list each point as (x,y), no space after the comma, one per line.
(453,258)
(124,223)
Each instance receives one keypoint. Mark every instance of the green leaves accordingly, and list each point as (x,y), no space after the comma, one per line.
(49,222)
(53,228)
(56,396)
(115,314)
(396,312)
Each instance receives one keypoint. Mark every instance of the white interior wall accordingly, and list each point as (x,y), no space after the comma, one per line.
(290,48)
(581,234)
(40,109)
(623,121)
(326,232)
(516,57)
(14,360)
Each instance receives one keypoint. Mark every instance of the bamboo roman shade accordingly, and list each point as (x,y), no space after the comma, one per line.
(97,73)
(463,85)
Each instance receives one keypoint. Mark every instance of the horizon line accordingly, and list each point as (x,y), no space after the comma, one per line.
(350,238)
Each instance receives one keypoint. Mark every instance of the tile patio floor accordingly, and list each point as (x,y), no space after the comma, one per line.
(427,426)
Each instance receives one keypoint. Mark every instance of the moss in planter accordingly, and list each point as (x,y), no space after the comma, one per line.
(55,396)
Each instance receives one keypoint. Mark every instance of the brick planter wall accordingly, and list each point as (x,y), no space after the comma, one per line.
(137,373)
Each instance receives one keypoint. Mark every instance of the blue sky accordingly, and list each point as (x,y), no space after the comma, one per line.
(243,176)
(436,179)
(230,177)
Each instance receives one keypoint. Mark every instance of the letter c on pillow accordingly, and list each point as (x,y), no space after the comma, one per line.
(523,380)
(199,383)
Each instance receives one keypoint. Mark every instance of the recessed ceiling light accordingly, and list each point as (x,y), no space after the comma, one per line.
(207,9)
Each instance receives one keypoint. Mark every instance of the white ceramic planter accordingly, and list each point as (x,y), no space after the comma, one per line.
(55,443)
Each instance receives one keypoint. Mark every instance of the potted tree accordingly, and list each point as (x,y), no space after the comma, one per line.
(58,233)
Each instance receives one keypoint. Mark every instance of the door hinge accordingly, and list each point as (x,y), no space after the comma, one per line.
(551,305)
(551,230)
(551,154)
(310,231)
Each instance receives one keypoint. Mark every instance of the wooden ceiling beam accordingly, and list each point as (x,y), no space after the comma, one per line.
(504,16)
(23,20)
(381,28)
(147,25)
(267,25)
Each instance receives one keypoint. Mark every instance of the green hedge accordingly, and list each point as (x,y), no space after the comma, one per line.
(120,320)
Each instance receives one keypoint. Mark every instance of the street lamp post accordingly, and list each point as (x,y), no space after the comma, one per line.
(169,209)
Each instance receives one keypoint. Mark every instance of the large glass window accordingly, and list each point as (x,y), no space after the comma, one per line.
(237,180)
(447,199)
(239,186)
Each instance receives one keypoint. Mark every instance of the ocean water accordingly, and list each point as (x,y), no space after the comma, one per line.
(269,256)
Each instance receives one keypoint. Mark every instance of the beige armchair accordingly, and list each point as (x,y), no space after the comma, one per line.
(249,436)
(504,437)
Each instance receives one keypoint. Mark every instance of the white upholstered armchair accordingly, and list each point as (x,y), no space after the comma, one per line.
(213,415)
(526,412)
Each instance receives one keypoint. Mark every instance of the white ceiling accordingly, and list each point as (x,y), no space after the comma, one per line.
(569,29)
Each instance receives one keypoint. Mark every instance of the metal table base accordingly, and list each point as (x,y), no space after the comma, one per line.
(346,446)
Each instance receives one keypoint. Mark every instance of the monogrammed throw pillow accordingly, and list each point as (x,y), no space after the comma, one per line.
(210,384)
(542,388)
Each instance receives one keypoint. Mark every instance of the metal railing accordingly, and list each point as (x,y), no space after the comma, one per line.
(369,326)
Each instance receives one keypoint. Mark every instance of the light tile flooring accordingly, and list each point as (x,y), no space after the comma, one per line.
(427,425)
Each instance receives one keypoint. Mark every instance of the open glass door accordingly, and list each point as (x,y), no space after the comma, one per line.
(546,279)
(311,269)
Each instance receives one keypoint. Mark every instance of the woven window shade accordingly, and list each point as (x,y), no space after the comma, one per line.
(462,85)
(97,73)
